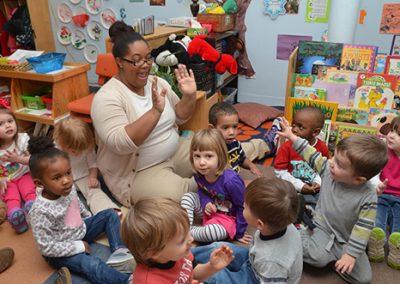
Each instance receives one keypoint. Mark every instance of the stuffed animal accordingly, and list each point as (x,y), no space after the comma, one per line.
(173,51)
(223,62)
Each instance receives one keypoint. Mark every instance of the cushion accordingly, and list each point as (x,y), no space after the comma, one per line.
(254,114)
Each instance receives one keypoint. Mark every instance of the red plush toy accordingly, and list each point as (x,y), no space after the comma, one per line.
(223,62)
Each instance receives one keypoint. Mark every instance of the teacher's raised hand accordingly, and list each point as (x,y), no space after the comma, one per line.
(186,81)
(157,97)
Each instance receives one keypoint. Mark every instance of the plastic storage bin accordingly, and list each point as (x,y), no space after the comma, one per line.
(48,101)
(33,102)
(47,62)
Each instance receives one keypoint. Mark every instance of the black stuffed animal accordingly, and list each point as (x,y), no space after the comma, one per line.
(173,51)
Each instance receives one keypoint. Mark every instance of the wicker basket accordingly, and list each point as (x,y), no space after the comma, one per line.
(25,66)
(204,75)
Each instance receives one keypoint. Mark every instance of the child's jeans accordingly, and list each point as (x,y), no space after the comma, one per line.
(238,271)
(388,212)
(22,187)
(92,267)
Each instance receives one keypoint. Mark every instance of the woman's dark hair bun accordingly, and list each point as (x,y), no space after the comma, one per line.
(40,144)
(118,28)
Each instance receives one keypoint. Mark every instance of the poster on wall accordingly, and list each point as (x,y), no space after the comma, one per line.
(395,48)
(157,2)
(287,43)
(292,7)
(317,11)
(390,21)
(274,8)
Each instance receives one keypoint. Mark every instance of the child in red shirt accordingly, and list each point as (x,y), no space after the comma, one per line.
(156,231)
(307,124)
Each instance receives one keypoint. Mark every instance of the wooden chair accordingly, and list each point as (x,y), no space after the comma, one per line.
(106,67)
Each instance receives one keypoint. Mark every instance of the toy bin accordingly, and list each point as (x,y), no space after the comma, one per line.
(219,22)
(47,62)
(48,101)
(33,102)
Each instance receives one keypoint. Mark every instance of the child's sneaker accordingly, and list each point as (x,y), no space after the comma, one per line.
(376,243)
(18,221)
(271,137)
(122,260)
(6,258)
(394,251)
(63,276)
(27,206)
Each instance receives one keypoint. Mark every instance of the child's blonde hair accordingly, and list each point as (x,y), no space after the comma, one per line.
(74,134)
(210,140)
(150,224)
(15,137)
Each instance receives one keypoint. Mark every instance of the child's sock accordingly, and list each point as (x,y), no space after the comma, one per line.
(271,137)
(376,242)
(18,220)
(394,251)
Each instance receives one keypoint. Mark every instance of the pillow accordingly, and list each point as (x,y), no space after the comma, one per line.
(254,114)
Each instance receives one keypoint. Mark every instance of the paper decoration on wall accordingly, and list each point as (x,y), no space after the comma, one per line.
(78,39)
(93,6)
(122,13)
(390,21)
(274,8)
(317,11)
(79,10)
(75,1)
(64,35)
(287,43)
(94,30)
(108,17)
(81,20)
(292,7)
(91,51)
(64,13)
(157,2)
(361,18)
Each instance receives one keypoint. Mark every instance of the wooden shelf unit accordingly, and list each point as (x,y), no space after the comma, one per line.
(66,86)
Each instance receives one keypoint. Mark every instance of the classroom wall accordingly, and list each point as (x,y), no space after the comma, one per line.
(269,84)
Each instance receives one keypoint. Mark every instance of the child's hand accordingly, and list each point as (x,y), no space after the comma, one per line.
(93,182)
(210,208)
(345,264)
(381,186)
(221,257)
(245,239)
(87,247)
(253,168)
(11,156)
(310,188)
(286,131)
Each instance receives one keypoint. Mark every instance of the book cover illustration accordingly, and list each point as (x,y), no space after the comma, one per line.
(329,109)
(380,63)
(341,76)
(318,53)
(390,20)
(353,115)
(375,115)
(375,91)
(345,130)
(310,93)
(392,65)
(358,57)
(303,80)
(339,93)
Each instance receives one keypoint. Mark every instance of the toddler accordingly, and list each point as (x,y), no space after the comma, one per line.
(75,137)
(220,191)
(225,118)
(157,233)
(61,234)
(346,208)
(275,254)
(16,185)
(388,212)
(289,165)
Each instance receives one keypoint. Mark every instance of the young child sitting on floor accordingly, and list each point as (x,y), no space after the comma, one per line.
(289,165)
(388,212)
(156,231)
(75,137)
(275,255)
(219,200)
(60,233)
(16,185)
(225,118)
(346,208)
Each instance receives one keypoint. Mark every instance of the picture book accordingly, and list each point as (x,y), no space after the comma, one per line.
(358,57)
(375,115)
(392,65)
(339,93)
(310,93)
(341,76)
(375,91)
(317,52)
(390,20)
(329,109)
(380,63)
(352,115)
(345,130)
(303,80)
